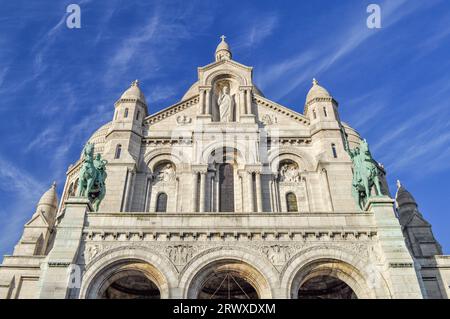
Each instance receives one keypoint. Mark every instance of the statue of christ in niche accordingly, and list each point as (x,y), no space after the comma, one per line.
(225,104)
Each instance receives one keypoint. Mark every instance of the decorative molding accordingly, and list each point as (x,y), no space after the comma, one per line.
(401,265)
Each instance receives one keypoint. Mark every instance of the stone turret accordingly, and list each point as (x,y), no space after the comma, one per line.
(223,51)
(417,231)
(320,105)
(38,229)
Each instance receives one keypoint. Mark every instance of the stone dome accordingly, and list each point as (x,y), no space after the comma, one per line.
(223,51)
(134,92)
(403,197)
(50,198)
(317,91)
(99,138)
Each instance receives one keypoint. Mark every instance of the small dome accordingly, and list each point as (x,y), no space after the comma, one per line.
(317,91)
(223,51)
(403,197)
(50,198)
(134,92)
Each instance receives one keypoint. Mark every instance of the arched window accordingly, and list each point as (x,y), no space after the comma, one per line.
(314,114)
(161,203)
(118,151)
(138,114)
(325,111)
(333,149)
(125,113)
(291,202)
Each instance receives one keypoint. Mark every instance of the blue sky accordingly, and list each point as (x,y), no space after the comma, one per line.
(58,85)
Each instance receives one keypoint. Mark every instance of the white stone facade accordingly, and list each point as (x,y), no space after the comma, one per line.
(250,186)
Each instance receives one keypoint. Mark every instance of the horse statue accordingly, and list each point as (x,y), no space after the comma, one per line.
(365,174)
(92,175)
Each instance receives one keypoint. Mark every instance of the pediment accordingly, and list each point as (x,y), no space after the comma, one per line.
(38,220)
(225,64)
(170,114)
(278,114)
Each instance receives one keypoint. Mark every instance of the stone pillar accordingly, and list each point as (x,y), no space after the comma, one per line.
(202,101)
(56,279)
(208,102)
(202,191)
(242,101)
(194,191)
(249,101)
(400,270)
(258,192)
(274,194)
(250,193)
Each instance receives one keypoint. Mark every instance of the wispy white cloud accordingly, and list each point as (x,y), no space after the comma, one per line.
(294,70)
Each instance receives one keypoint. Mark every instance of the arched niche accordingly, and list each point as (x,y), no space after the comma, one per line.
(225,84)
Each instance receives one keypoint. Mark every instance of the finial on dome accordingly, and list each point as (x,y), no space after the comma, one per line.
(54,185)
(135,83)
(315,82)
(223,50)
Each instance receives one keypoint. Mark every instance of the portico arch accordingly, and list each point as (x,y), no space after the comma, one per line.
(128,262)
(244,265)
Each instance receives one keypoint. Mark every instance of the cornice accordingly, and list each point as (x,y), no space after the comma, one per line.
(281,109)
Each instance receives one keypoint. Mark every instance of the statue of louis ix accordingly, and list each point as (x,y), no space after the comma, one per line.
(365,172)
(92,176)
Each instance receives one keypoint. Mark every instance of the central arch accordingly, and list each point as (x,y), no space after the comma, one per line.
(227,279)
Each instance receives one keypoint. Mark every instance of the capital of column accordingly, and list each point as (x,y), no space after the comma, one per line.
(257,169)
(204,87)
(202,169)
(245,87)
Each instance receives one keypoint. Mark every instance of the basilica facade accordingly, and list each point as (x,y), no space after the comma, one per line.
(225,194)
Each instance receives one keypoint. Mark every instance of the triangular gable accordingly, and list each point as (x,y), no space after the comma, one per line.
(38,220)
(280,110)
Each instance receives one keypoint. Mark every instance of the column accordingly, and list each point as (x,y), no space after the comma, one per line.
(251,201)
(242,101)
(202,191)
(208,102)
(258,192)
(249,101)
(194,192)
(202,101)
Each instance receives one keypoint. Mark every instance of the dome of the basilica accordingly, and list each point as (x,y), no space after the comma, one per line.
(99,138)
(317,91)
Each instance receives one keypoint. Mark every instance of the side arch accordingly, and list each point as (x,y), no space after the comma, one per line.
(154,157)
(102,267)
(300,157)
(356,272)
